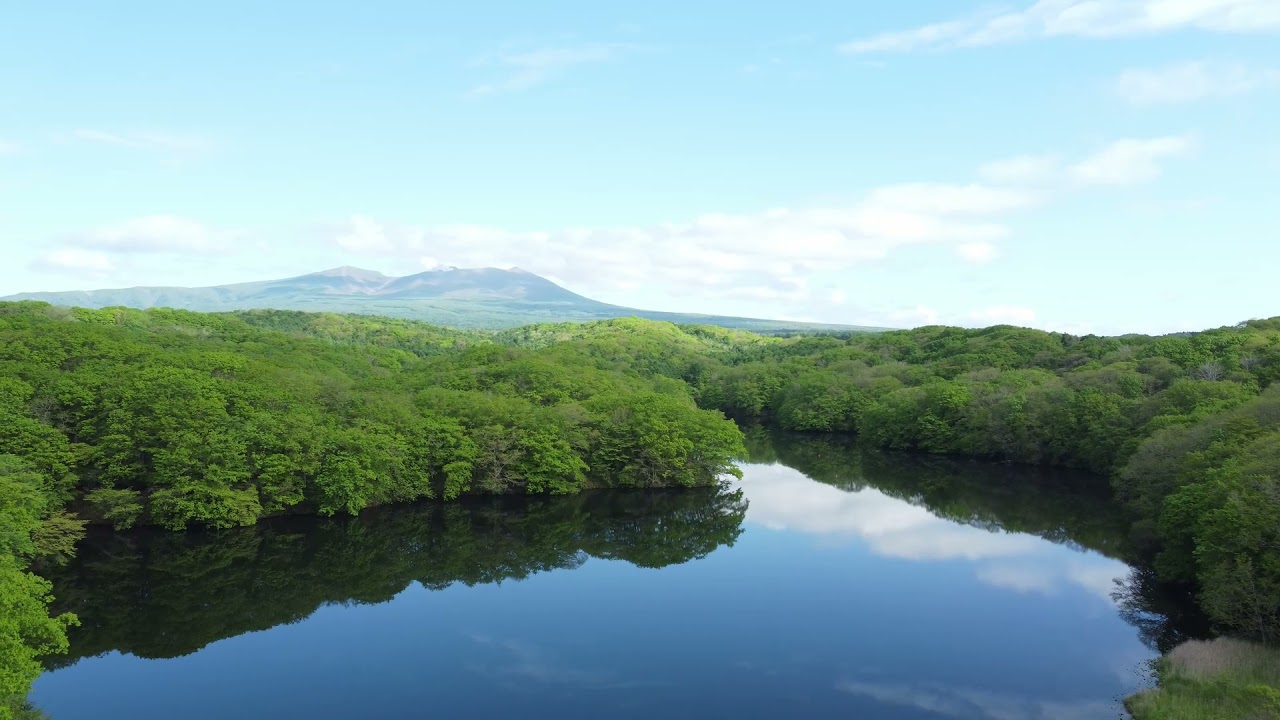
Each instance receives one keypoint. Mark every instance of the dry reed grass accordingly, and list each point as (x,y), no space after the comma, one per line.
(1243,661)
(1222,679)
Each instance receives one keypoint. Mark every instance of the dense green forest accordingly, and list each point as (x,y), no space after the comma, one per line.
(179,419)
(174,418)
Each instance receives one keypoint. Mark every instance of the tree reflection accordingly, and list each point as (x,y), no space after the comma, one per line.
(1165,615)
(158,594)
(1061,506)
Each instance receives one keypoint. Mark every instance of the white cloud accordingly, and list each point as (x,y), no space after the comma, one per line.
(1021,170)
(767,293)
(1192,81)
(363,234)
(1129,161)
(167,143)
(1080,18)
(155,234)
(1004,315)
(978,253)
(941,199)
(535,67)
(764,255)
(75,261)
(769,256)
(927,36)
(778,260)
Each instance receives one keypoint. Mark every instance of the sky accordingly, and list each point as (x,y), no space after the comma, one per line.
(1086,166)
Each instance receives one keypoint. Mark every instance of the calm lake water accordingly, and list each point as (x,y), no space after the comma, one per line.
(830,582)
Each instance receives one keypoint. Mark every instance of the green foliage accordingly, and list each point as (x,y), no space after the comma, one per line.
(28,527)
(21,506)
(1208,496)
(55,538)
(217,507)
(655,440)
(119,506)
(181,419)
(23,710)
(821,402)
(26,631)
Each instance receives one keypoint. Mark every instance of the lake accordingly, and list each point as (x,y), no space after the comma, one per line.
(832,582)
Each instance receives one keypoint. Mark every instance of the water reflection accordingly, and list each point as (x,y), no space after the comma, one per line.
(967,703)
(1011,502)
(935,509)
(157,594)
(860,584)
(1165,615)
(511,661)
(1062,506)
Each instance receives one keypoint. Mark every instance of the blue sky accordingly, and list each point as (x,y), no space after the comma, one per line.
(1078,165)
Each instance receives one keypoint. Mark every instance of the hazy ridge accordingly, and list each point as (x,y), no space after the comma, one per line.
(488,298)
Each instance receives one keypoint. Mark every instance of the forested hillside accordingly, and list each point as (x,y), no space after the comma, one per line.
(175,418)
(181,419)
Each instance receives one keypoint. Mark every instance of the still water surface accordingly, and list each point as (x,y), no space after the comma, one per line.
(831,582)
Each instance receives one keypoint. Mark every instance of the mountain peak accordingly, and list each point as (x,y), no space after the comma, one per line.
(489,297)
(354,273)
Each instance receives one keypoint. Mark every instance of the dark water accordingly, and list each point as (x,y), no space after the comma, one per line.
(829,583)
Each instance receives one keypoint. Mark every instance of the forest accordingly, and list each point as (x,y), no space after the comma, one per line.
(175,419)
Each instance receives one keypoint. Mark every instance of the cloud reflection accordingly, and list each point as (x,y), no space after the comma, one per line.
(970,704)
(513,660)
(782,498)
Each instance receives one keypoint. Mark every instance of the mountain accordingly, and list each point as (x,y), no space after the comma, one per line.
(488,298)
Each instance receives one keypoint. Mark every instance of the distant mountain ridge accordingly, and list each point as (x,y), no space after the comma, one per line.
(482,298)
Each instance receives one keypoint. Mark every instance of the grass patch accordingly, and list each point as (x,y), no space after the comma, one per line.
(1222,679)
